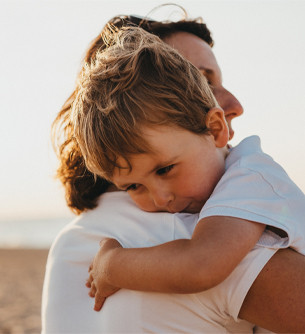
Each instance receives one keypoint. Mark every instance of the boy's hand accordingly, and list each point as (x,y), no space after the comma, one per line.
(98,280)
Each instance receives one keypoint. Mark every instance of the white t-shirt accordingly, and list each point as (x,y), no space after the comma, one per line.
(66,307)
(254,187)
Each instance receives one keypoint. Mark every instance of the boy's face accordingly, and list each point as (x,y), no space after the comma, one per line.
(178,176)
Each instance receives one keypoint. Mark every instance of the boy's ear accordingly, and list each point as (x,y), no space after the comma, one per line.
(216,122)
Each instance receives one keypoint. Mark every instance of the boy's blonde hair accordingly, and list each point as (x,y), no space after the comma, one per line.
(137,80)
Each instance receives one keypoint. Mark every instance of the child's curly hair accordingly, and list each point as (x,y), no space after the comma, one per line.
(136,80)
(82,187)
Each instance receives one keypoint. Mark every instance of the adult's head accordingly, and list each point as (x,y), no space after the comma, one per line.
(82,188)
(200,54)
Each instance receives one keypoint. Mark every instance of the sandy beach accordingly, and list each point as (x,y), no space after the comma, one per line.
(21,280)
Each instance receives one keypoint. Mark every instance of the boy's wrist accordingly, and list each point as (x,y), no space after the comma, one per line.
(110,250)
(113,265)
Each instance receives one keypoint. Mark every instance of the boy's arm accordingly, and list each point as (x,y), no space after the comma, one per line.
(217,246)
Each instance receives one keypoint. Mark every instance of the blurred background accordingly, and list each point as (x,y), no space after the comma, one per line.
(259,45)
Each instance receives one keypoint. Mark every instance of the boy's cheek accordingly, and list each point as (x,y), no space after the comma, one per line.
(144,203)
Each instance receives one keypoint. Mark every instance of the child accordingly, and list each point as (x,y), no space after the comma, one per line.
(146,120)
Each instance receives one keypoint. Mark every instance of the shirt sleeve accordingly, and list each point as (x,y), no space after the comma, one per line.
(248,194)
(227,297)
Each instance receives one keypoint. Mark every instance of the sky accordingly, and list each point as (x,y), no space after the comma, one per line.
(259,45)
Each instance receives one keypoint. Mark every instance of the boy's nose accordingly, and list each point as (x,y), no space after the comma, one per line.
(162,199)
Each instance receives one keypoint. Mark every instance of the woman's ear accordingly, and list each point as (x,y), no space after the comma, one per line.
(217,124)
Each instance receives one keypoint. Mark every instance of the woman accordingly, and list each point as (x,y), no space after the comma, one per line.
(66,306)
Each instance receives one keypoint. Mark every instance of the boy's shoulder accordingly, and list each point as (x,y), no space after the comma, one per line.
(248,167)
(243,153)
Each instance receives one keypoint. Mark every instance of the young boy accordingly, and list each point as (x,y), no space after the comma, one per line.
(146,120)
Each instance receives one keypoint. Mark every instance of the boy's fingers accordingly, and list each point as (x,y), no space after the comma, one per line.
(90,278)
(89,281)
(92,291)
(99,302)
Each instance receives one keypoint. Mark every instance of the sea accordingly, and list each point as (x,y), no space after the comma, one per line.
(35,233)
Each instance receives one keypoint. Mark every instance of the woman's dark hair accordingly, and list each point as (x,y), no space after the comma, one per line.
(165,28)
(82,188)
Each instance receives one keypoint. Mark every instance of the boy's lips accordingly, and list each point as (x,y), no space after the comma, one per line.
(191,206)
(188,208)
(178,209)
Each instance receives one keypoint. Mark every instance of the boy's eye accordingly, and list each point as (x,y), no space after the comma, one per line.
(132,187)
(165,170)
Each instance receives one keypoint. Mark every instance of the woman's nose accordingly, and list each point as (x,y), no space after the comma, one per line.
(230,105)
